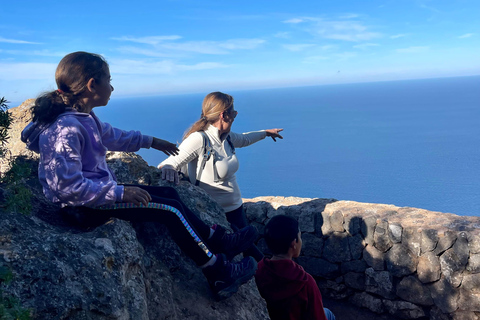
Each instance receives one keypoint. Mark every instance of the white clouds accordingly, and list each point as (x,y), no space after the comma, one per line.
(294,21)
(148,40)
(163,67)
(14,41)
(365,46)
(345,30)
(419,49)
(27,71)
(297,47)
(164,46)
(466,35)
(283,35)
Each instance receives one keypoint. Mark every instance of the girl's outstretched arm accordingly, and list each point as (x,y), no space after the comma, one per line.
(170,149)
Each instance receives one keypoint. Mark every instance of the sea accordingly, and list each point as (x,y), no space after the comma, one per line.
(412,143)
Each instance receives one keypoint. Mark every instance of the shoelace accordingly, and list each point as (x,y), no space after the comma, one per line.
(237,268)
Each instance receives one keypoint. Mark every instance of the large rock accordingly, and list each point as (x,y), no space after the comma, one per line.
(114,270)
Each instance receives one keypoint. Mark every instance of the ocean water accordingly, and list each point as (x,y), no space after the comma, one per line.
(412,143)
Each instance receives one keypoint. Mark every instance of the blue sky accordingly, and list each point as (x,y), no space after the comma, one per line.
(171,47)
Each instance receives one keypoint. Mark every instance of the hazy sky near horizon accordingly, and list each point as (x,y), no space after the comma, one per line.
(184,46)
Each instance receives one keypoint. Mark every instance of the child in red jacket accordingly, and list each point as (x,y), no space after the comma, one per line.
(290,292)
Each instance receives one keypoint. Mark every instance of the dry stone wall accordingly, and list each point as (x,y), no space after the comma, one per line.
(406,263)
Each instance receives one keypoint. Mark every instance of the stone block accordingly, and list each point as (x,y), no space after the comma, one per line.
(365,300)
(412,238)
(353,224)
(337,248)
(444,295)
(429,240)
(368,229)
(305,218)
(400,260)
(452,266)
(412,290)
(353,266)
(395,232)
(325,227)
(356,245)
(473,265)
(380,283)
(380,237)
(474,243)
(428,268)
(355,280)
(320,268)
(465,315)
(336,221)
(374,258)
(312,245)
(445,242)
(256,211)
(403,309)
(469,299)
(437,314)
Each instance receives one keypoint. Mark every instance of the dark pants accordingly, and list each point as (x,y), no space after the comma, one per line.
(186,229)
(238,220)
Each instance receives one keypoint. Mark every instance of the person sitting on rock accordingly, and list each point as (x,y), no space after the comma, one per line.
(217,174)
(73,171)
(290,292)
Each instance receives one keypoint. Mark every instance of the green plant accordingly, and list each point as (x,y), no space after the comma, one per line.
(18,195)
(5,123)
(10,308)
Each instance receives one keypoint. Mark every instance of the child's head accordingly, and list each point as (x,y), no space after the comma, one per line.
(76,69)
(73,74)
(280,232)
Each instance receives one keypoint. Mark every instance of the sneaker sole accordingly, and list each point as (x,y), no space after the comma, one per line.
(233,288)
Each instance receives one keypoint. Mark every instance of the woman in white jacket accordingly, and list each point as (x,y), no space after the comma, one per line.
(218,175)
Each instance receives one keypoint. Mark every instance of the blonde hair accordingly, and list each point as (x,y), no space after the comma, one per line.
(214,104)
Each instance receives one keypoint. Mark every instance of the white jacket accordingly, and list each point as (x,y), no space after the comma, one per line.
(226,190)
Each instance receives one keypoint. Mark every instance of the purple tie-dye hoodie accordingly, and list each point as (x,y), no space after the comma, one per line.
(72,169)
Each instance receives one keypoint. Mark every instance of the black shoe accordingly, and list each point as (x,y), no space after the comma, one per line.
(225,277)
(232,243)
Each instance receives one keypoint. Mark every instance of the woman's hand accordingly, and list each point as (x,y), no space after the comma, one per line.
(170,174)
(170,149)
(274,133)
(136,195)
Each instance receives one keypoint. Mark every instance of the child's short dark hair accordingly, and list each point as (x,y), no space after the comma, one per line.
(280,231)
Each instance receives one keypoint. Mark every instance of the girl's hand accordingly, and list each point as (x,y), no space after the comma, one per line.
(274,133)
(136,195)
(170,174)
(170,149)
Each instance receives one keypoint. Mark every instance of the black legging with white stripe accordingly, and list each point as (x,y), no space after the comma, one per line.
(186,229)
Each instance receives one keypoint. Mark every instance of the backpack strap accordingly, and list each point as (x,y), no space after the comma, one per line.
(231,144)
(207,153)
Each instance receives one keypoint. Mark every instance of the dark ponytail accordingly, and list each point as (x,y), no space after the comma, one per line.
(72,76)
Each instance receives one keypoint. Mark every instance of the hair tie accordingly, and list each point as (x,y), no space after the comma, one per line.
(204,118)
(59,91)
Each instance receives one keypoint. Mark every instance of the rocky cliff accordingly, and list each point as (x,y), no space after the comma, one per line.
(400,263)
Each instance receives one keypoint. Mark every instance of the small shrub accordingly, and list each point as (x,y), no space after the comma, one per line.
(5,123)
(10,308)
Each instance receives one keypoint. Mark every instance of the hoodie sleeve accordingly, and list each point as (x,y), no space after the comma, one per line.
(241,140)
(62,168)
(119,140)
(314,301)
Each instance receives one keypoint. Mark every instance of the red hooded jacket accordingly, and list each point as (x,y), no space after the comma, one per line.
(290,292)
